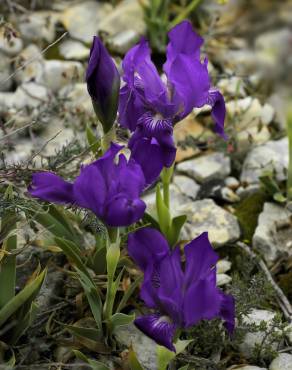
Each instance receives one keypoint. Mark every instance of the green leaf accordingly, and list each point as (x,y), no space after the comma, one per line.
(279,197)
(8,271)
(120,319)
(27,293)
(162,212)
(112,259)
(92,296)
(72,252)
(89,333)
(184,367)
(95,365)
(93,141)
(176,225)
(98,261)
(184,13)
(27,318)
(164,355)
(128,293)
(133,361)
(52,223)
(148,219)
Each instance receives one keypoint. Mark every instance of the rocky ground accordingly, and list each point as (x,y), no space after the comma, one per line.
(45,108)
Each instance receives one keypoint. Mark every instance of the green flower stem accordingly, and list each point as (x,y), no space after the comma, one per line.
(108,138)
(113,233)
(166,175)
(289,175)
(112,259)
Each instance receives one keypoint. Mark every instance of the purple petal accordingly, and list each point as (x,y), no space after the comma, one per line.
(103,83)
(147,246)
(159,328)
(182,40)
(202,300)
(122,211)
(151,155)
(130,176)
(170,291)
(131,108)
(227,311)
(95,180)
(52,188)
(216,100)
(200,258)
(90,189)
(190,81)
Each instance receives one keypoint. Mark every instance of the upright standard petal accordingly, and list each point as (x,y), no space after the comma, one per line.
(52,188)
(131,108)
(190,80)
(103,83)
(182,40)
(202,300)
(200,258)
(159,328)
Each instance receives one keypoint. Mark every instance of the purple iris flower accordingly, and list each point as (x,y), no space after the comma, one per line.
(103,84)
(110,190)
(180,297)
(150,107)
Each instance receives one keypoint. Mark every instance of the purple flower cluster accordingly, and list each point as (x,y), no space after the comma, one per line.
(150,107)
(180,297)
(110,190)
(111,187)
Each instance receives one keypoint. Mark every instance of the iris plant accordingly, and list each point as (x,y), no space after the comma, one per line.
(180,294)
(180,297)
(110,190)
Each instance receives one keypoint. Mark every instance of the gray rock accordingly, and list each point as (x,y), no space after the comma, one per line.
(59,73)
(205,215)
(186,186)
(32,71)
(71,49)
(223,279)
(123,41)
(251,339)
(128,15)
(282,362)
(246,367)
(223,266)
(232,182)
(144,347)
(37,26)
(5,71)
(207,167)
(11,47)
(271,156)
(21,151)
(82,20)
(77,99)
(25,104)
(233,86)
(273,234)
(251,121)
